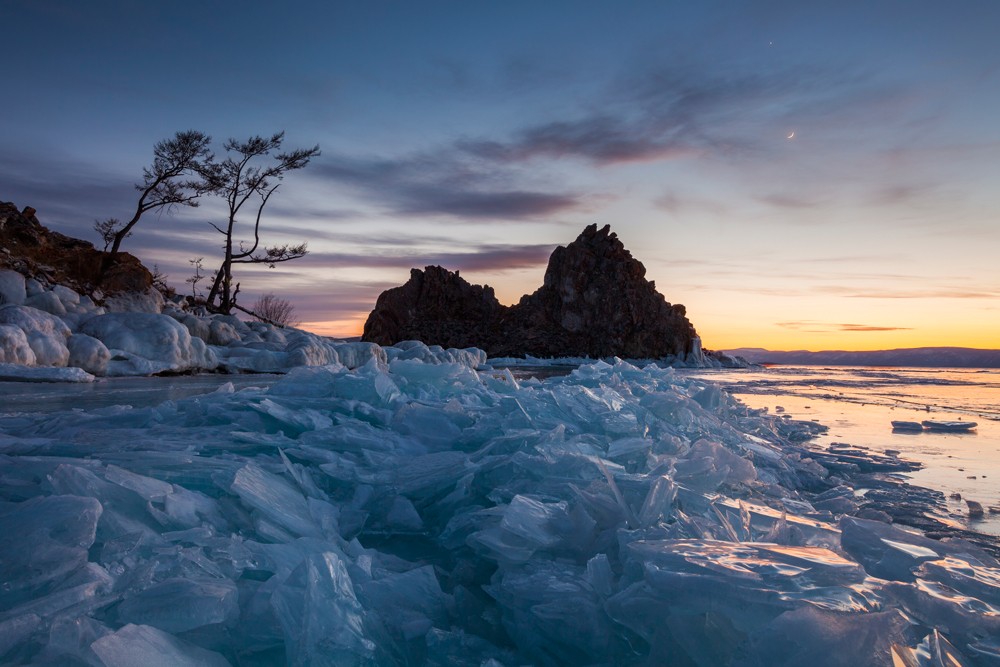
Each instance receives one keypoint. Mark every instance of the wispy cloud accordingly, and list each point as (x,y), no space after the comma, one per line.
(445,183)
(940,293)
(602,140)
(790,201)
(810,326)
(497,257)
(68,193)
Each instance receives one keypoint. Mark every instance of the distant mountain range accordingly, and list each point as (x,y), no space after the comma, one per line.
(935,357)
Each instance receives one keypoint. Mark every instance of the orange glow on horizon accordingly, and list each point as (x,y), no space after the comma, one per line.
(771,337)
(342,328)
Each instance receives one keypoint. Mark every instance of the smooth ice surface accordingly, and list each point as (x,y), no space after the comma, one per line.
(409,511)
(860,405)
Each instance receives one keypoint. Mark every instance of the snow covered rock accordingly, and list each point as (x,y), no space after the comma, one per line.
(150,301)
(14,348)
(153,337)
(88,353)
(12,288)
(46,333)
(47,301)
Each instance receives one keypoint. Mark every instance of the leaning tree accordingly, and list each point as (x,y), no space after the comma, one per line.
(181,172)
(250,174)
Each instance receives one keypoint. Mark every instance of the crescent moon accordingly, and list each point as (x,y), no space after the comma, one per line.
(791,136)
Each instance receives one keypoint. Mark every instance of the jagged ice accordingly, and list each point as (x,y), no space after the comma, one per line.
(410,512)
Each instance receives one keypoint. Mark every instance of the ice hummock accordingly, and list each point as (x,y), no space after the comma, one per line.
(409,512)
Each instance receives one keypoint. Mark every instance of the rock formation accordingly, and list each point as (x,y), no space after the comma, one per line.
(434,305)
(33,250)
(595,301)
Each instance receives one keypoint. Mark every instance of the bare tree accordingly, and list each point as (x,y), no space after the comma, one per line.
(108,229)
(240,179)
(197,277)
(182,171)
(275,310)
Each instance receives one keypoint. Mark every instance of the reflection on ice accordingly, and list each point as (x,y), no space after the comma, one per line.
(408,512)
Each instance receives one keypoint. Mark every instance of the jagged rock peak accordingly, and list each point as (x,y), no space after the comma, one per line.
(594,301)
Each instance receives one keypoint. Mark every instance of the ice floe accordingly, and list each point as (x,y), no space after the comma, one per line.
(407,512)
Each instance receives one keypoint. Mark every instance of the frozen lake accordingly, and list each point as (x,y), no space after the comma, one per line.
(414,513)
(137,392)
(858,404)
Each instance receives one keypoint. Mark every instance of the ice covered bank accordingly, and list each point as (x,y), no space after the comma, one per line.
(419,514)
(51,333)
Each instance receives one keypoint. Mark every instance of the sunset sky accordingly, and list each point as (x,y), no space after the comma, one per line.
(801,175)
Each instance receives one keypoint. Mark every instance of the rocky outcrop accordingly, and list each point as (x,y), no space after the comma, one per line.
(435,306)
(33,250)
(595,301)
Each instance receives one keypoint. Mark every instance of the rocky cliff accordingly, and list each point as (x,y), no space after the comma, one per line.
(33,250)
(595,301)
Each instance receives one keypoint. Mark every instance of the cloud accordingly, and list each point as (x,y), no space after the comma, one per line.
(664,112)
(602,140)
(489,257)
(69,194)
(944,293)
(444,183)
(789,201)
(829,327)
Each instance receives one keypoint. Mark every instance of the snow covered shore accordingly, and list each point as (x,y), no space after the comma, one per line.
(51,333)
(405,512)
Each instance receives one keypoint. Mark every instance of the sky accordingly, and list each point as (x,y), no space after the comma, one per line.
(800,175)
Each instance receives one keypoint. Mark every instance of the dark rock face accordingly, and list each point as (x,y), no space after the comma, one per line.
(34,250)
(435,306)
(595,301)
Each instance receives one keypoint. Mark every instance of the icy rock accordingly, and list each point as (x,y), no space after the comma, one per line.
(975,509)
(150,301)
(47,301)
(198,327)
(88,353)
(222,333)
(14,348)
(46,333)
(178,605)
(153,337)
(12,289)
(435,354)
(147,646)
(67,296)
(356,355)
(33,287)
(308,350)
(247,359)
